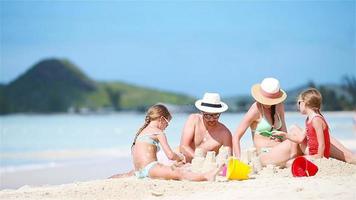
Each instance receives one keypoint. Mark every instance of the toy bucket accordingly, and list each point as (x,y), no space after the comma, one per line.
(303,167)
(237,170)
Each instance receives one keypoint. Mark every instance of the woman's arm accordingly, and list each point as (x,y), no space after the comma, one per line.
(318,126)
(251,115)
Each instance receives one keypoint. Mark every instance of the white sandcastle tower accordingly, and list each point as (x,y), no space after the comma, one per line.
(249,156)
(198,160)
(256,165)
(223,156)
(203,164)
(209,162)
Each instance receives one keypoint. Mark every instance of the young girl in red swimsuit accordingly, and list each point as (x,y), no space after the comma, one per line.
(317,140)
(314,141)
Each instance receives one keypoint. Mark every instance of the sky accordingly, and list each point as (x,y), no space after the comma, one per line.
(189,47)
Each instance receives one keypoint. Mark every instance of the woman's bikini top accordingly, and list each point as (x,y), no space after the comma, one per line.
(264,128)
(146,138)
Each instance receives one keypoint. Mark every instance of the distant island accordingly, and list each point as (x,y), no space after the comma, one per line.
(57,85)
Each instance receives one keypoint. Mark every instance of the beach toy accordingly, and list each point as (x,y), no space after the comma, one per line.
(270,134)
(303,167)
(223,171)
(237,170)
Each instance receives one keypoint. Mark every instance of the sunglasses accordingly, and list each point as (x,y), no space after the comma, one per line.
(166,120)
(299,102)
(211,116)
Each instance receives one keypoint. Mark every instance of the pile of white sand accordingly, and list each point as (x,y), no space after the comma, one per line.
(333,167)
(326,168)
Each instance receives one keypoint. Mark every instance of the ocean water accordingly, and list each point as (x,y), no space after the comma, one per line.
(40,141)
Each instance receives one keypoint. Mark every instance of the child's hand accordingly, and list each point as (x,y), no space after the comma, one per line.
(181,158)
(179,164)
(278,135)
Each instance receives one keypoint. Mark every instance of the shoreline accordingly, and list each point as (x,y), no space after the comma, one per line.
(63,174)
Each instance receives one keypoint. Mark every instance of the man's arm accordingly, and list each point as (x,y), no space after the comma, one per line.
(227,140)
(188,137)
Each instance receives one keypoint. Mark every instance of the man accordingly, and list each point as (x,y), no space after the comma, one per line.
(203,130)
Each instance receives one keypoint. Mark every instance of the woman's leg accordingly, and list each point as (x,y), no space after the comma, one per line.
(285,151)
(160,171)
(340,152)
(280,154)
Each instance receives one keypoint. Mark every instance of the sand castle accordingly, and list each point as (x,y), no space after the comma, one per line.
(250,157)
(201,163)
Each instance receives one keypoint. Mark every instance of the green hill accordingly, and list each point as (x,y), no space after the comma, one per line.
(129,97)
(55,85)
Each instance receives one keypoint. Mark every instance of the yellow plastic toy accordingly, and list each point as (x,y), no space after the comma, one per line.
(237,170)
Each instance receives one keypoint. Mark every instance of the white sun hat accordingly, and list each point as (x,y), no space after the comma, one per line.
(268,92)
(211,103)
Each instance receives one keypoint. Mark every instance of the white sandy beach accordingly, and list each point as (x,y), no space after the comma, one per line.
(84,175)
(335,180)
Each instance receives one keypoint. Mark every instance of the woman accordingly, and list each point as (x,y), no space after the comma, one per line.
(264,118)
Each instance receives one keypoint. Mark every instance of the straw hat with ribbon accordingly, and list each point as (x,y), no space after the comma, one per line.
(268,92)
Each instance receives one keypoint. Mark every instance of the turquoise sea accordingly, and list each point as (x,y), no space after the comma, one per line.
(40,141)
